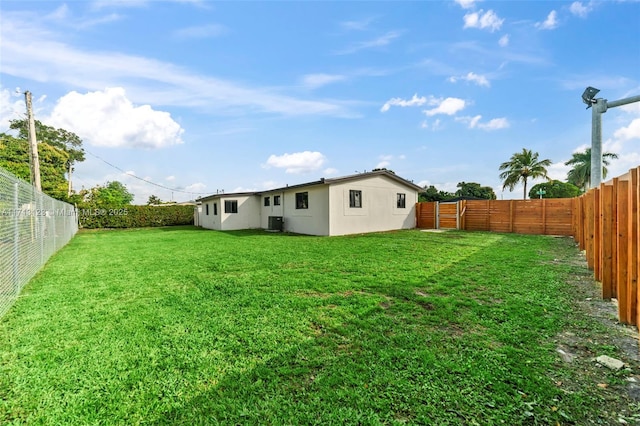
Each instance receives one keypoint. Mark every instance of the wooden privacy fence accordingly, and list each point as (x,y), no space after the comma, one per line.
(553,216)
(604,222)
(607,226)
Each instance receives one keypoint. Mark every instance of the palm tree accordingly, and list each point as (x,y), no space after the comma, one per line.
(522,166)
(580,174)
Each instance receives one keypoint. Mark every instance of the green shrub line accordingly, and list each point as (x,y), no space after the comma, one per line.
(134,216)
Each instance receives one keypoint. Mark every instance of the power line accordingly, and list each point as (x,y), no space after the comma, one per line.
(144,180)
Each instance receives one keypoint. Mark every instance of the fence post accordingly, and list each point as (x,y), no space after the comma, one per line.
(16,241)
(544,216)
(597,235)
(608,242)
(622,235)
(511,216)
(632,241)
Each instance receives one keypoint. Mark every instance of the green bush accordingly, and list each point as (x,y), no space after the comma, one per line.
(135,216)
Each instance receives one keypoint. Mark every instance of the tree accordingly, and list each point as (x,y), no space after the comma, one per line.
(431,193)
(113,194)
(14,157)
(580,174)
(62,139)
(522,166)
(474,190)
(555,189)
(153,200)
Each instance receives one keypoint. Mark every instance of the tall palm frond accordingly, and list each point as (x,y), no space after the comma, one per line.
(580,174)
(522,166)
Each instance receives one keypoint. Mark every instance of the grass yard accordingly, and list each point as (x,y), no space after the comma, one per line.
(187,326)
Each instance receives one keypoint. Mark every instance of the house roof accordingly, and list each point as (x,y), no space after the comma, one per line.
(226,195)
(323,181)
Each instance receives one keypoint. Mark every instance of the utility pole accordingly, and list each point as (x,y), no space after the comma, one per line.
(600,106)
(34,161)
(70,188)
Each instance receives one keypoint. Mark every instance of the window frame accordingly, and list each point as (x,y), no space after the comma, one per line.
(302,200)
(276,200)
(215,209)
(355,199)
(401,200)
(267,201)
(206,209)
(231,206)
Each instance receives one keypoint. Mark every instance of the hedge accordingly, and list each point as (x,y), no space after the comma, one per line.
(135,216)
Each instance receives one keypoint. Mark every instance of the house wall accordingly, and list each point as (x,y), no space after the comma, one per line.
(312,221)
(209,221)
(271,210)
(248,215)
(379,211)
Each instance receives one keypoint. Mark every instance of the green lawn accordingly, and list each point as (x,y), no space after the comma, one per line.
(186,326)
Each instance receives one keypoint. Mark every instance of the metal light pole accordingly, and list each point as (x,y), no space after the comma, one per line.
(600,106)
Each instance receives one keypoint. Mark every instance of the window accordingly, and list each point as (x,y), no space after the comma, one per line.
(276,200)
(215,209)
(302,200)
(231,206)
(206,209)
(355,198)
(402,200)
(267,201)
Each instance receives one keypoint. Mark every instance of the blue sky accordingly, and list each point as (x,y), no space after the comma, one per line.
(201,96)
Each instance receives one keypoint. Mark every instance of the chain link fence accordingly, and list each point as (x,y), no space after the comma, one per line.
(33,226)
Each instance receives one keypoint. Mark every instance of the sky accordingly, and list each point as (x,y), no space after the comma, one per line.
(185,98)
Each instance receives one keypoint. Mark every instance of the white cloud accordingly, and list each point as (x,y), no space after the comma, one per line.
(381,41)
(632,131)
(558,171)
(242,189)
(12,107)
(330,171)
(414,101)
(298,162)
(385,160)
(202,31)
(170,178)
(313,81)
(196,187)
(108,118)
(578,9)
(504,40)
(550,23)
(466,4)
(489,20)
(493,124)
(472,77)
(30,50)
(633,108)
(356,25)
(448,106)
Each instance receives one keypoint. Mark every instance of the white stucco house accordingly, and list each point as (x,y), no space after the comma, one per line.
(360,203)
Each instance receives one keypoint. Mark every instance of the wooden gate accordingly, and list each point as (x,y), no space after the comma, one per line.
(447,215)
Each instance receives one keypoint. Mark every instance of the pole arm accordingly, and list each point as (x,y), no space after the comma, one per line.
(624,101)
